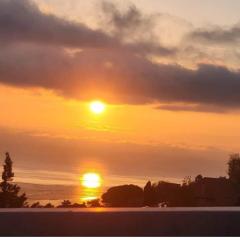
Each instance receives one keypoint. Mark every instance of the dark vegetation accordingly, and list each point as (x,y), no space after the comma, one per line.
(124,196)
(9,195)
(202,191)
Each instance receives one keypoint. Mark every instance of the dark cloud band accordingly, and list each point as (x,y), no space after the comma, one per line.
(33,54)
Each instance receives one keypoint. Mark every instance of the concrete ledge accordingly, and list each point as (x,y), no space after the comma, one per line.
(123,222)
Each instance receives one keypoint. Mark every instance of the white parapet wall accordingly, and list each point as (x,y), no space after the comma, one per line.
(121,222)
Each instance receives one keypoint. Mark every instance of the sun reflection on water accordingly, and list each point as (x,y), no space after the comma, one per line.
(91,186)
(89,194)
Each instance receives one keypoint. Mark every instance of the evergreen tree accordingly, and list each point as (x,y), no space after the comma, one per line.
(9,195)
(234,169)
(150,195)
(65,204)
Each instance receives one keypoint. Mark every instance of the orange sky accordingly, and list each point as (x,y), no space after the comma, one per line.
(171,91)
(44,116)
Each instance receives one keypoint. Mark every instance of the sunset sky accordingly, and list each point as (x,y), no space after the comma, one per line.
(167,71)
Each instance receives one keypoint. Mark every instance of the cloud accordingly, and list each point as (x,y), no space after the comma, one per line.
(23,21)
(195,108)
(123,159)
(128,79)
(135,29)
(131,25)
(217,35)
(106,65)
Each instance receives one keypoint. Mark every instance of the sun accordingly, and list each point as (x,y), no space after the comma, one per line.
(91,180)
(97,107)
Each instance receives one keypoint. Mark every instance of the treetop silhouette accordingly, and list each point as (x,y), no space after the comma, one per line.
(9,196)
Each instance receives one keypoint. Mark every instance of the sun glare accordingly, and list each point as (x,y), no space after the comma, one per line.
(91,180)
(97,107)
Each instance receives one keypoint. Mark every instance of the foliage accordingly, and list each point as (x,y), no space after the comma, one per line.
(94,203)
(187,181)
(49,205)
(124,196)
(78,205)
(234,169)
(198,178)
(68,204)
(168,193)
(65,204)
(36,205)
(9,195)
(150,195)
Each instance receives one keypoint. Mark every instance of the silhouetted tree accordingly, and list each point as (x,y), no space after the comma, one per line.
(78,205)
(123,196)
(234,169)
(9,197)
(198,178)
(36,205)
(68,204)
(187,195)
(187,181)
(94,203)
(168,193)
(49,205)
(65,204)
(150,195)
